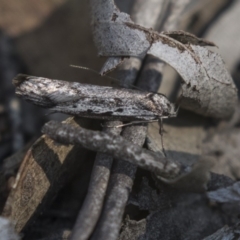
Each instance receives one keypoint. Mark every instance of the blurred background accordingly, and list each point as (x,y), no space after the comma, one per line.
(40,38)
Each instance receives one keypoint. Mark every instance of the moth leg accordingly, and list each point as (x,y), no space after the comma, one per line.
(160,123)
(176,111)
(134,122)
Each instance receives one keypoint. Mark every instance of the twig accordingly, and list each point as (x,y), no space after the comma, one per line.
(92,206)
(116,146)
(120,187)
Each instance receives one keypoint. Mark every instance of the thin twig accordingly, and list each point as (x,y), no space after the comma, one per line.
(117,146)
(92,206)
(120,187)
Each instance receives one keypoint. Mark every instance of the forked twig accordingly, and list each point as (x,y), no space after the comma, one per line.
(117,146)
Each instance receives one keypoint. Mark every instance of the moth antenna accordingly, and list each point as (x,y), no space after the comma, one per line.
(160,123)
(85,68)
(176,111)
(96,72)
(132,123)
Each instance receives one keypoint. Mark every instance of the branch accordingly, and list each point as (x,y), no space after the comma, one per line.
(113,145)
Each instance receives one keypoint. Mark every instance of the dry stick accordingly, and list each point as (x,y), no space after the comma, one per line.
(91,209)
(120,186)
(123,175)
(117,146)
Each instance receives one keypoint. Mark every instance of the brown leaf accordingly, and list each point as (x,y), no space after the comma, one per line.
(46,167)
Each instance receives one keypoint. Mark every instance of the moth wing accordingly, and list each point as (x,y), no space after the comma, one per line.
(57,98)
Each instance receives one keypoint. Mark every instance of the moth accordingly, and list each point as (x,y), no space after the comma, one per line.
(92,101)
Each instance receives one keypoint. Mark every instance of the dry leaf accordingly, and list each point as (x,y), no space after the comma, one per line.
(45,169)
(207,87)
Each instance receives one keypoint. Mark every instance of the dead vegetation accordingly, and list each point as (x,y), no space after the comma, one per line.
(82,179)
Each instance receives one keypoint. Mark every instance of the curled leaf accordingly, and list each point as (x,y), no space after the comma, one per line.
(207,87)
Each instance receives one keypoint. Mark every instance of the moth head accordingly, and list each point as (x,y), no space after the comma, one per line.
(169,110)
(166,108)
(173,110)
